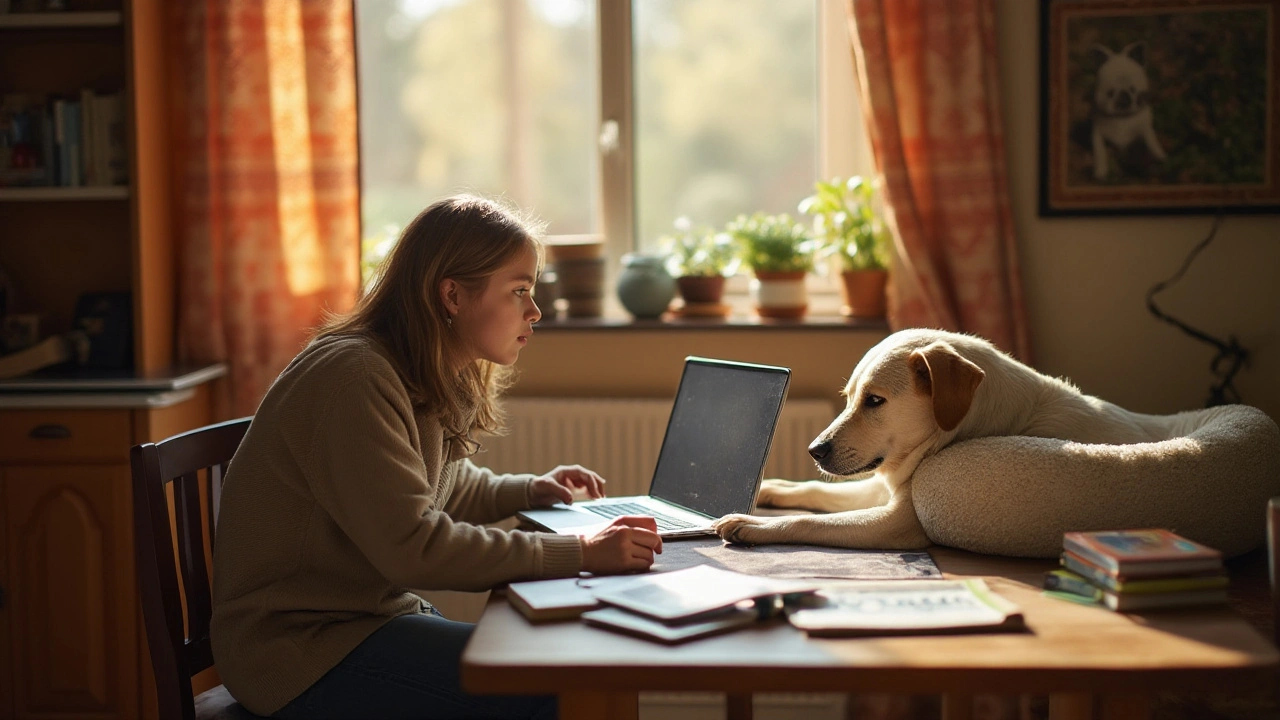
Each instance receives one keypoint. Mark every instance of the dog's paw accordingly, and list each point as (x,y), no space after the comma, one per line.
(743,529)
(773,493)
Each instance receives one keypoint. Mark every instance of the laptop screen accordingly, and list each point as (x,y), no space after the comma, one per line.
(719,435)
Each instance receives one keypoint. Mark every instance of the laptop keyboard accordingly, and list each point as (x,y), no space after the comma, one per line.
(613,510)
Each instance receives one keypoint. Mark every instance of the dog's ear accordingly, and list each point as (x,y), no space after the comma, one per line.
(1137,51)
(940,371)
(1101,53)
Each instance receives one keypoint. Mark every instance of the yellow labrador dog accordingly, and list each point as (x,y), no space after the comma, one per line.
(911,395)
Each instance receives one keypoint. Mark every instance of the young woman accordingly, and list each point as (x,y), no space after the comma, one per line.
(354,486)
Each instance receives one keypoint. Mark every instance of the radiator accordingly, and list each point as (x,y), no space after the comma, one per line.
(620,437)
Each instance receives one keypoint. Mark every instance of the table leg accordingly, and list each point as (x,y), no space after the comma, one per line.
(1126,706)
(1071,706)
(737,706)
(595,705)
(957,707)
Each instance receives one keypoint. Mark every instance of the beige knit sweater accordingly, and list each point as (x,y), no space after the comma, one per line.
(339,499)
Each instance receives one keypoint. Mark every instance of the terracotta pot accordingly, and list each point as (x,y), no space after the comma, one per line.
(780,294)
(574,247)
(581,285)
(863,293)
(701,289)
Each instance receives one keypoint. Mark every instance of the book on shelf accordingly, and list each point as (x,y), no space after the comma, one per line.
(1142,553)
(695,592)
(904,607)
(73,140)
(1105,580)
(26,141)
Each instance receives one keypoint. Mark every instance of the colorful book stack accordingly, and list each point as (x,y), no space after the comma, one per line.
(1138,570)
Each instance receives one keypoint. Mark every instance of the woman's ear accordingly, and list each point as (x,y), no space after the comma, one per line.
(450,291)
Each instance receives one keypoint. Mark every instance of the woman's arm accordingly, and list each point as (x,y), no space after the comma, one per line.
(366,473)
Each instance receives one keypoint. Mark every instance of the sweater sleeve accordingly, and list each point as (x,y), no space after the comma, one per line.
(483,496)
(365,472)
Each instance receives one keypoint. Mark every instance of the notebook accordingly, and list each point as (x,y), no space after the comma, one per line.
(712,456)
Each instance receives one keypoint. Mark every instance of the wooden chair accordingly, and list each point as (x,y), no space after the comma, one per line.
(175,585)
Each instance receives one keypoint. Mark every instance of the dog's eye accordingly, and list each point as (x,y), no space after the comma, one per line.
(872,401)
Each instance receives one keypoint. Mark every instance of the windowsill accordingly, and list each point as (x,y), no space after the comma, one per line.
(736,322)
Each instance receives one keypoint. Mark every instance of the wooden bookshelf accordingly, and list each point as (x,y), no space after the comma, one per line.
(43,194)
(71,636)
(60,20)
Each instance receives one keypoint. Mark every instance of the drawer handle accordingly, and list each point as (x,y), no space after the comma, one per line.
(50,432)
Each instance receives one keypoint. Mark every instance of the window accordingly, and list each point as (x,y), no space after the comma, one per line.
(603,116)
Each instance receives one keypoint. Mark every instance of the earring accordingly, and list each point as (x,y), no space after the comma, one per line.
(449,321)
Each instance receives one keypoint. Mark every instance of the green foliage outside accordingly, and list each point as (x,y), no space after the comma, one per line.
(845,223)
(374,249)
(773,243)
(699,251)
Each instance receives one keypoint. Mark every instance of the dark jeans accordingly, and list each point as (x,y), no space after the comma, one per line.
(409,668)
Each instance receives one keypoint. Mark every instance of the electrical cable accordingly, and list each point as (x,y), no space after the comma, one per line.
(1230,352)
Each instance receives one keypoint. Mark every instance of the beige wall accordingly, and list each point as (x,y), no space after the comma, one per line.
(647,363)
(1086,281)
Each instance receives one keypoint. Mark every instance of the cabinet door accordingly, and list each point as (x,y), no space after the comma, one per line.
(6,666)
(71,583)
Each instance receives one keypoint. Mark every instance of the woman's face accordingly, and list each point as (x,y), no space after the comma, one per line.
(496,322)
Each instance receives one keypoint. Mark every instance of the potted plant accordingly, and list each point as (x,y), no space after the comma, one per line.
(700,259)
(780,254)
(846,224)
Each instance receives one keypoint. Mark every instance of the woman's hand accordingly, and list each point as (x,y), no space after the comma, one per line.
(557,485)
(625,545)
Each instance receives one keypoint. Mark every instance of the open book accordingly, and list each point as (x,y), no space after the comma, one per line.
(904,607)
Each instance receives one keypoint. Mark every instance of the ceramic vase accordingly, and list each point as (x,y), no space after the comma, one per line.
(645,288)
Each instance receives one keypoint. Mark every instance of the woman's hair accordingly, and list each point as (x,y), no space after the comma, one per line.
(468,239)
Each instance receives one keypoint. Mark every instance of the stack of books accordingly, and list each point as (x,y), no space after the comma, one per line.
(1138,570)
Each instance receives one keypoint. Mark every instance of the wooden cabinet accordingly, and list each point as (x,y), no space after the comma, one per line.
(70,601)
(74,644)
(71,643)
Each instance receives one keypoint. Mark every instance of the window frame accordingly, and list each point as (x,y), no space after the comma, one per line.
(842,151)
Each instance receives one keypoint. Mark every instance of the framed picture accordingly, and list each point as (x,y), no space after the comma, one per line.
(1152,107)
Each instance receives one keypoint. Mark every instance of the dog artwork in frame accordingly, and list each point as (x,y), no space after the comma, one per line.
(1154,107)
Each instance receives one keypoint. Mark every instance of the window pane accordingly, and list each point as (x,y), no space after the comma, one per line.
(490,96)
(726,109)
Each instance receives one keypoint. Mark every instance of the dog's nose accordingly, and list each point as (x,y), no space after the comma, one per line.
(820,450)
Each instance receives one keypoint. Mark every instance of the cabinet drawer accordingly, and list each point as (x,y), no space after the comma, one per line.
(60,435)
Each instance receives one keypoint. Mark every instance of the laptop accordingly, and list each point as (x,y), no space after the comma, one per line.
(712,456)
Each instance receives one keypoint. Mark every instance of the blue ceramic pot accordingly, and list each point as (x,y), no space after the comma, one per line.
(645,288)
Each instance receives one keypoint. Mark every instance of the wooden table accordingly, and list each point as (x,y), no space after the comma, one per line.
(1090,661)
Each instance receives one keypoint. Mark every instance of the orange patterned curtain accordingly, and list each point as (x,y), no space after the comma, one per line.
(269,181)
(928,75)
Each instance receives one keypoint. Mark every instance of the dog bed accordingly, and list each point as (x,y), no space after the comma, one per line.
(1209,481)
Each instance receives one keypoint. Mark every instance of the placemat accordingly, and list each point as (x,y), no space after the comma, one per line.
(796,561)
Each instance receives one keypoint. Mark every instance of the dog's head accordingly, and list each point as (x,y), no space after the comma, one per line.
(1122,85)
(904,392)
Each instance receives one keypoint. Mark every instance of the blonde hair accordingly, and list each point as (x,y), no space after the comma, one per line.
(466,238)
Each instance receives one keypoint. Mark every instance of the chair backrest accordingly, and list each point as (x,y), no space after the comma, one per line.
(173,579)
